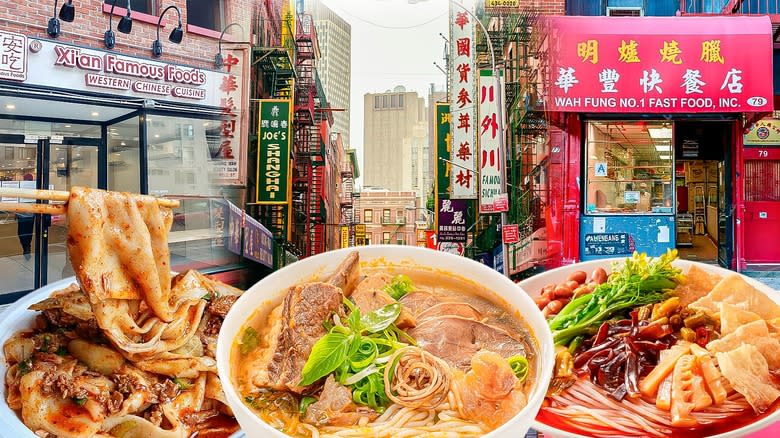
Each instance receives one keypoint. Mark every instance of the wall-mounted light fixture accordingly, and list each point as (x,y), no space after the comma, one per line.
(67,13)
(176,34)
(125,26)
(218,61)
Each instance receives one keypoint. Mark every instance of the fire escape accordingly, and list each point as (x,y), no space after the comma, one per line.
(273,77)
(308,203)
(347,194)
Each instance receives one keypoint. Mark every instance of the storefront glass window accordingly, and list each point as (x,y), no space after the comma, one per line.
(205,13)
(143,6)
(179,165)
(123,156)
(629,168)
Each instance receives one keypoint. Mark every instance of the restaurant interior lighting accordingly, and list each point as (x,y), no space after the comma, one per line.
(218,61)
(660,133)
(663,147)
(10,106)
(665,157)
(67,13)
(125,26)
(176,34)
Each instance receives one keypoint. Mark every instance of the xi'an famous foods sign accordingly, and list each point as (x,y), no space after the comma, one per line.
(660,64)
(273,154)
(51,64)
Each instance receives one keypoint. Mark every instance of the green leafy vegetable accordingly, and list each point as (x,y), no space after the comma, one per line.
(304,404)
(380,319)
(122,429)
(79,400)
(62,351)
(206,297)
(326,356)
(519,366)
(249,340)
(182,383)
(25,366)
(356,351)
(399,286)
(640,281)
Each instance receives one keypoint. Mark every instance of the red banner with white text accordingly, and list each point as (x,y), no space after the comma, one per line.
(660,64)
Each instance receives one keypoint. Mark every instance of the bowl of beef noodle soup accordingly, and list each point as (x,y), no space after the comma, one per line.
(385,341)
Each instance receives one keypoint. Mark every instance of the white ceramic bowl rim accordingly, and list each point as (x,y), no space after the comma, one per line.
(284,278)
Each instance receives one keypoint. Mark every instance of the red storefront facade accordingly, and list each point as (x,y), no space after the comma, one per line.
(647,118)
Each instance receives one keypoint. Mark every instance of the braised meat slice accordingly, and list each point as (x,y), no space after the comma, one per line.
(369,296)
(335,407)
(450,309)
(296,325)
(456,339)
(347,274)
(418,301)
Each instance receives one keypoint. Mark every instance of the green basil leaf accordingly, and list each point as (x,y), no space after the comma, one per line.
(249,340)
(354,321)
(304,404)
(326,356)
(381,318)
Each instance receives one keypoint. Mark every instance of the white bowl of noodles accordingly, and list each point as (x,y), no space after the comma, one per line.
(737,425)
(266,295)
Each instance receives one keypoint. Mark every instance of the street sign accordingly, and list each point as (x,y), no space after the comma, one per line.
(360,234)
(510,233)
(430,239)
(452,248)
(501,203)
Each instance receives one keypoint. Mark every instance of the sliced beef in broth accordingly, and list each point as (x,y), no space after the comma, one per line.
(370,300)
(295,327)
(456,339)
(418,301)
(450,309)
(347,274)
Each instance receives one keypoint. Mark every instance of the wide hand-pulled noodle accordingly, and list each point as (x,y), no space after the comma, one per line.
(702,361)
(385,353)
(130,351)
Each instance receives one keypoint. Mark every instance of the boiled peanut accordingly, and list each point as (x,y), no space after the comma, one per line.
(572,284)
(541,302)
(578,276)
(549,294)
(554,307)
(599,275)
(562,291)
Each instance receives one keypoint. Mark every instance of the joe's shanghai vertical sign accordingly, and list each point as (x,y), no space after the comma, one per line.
(273,155)
(646,65)
(462,103)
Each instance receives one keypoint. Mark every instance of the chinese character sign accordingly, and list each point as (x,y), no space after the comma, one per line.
(235,226)
(258,242)
(13,56)
(273,156)
(344,237)
(453,223)
(490,154)
(218,209)
(231,135)
(646,65)
(443,146)
(463,101)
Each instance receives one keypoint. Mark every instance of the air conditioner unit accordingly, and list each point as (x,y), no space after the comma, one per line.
(625,12)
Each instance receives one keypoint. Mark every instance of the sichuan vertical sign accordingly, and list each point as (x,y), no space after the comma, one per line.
(646,65)
(462,103)
(490,154)
(273,155)
(443,146)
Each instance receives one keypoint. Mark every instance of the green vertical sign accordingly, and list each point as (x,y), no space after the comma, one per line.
(443,149)
(273,153)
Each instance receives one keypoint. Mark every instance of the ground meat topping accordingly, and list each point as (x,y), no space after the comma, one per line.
(213,325)
(114,402)
(193,418)
(220,306)
(62,383)
(164,392)
(127,383)
(57,318)
(154,415)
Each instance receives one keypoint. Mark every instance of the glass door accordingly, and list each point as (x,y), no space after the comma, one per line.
(725,214)
(18,236)
(72,161)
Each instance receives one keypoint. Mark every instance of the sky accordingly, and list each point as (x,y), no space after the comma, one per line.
(393,43)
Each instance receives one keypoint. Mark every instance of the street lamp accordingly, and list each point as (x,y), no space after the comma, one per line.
(67,13)
(218,60)
(125,26)
(176,34)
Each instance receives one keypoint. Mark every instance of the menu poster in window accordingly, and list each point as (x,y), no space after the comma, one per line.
(273,155)
(452,220)
(631,197)
(609,244)
(218,211)
(235,227)
(258,242)
(9,185)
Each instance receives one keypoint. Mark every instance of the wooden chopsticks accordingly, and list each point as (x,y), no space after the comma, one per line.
(53,196)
